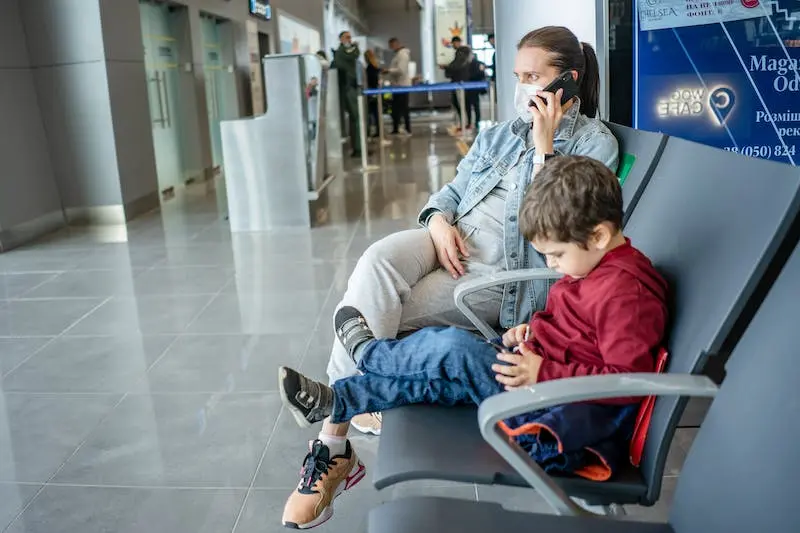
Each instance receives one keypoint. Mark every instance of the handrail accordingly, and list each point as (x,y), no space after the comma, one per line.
(428,88)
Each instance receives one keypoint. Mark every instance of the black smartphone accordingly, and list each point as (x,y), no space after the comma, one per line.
(566,82)
(497,346)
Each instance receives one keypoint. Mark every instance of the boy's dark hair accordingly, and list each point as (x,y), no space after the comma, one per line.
(569,197)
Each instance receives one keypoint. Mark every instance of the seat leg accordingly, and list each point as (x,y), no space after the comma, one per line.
(603,510)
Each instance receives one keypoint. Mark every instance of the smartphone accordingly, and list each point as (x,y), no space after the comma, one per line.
(499,346)
(566,82)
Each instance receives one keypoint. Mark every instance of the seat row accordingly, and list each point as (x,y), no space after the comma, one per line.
(722,229)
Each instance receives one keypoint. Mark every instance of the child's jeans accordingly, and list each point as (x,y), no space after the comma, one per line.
(446,366)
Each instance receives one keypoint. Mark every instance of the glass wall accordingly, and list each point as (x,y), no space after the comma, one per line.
(483,50)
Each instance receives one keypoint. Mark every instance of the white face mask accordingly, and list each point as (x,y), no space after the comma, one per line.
(523,94)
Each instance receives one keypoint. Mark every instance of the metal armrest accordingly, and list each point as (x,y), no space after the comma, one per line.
(569,390)
(500,278)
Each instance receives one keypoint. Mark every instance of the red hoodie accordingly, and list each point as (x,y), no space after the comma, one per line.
(612,321)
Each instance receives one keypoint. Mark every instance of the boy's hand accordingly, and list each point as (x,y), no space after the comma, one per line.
(516,335)
(522,370)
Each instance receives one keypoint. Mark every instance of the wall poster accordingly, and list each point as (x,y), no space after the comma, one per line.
(297,37)
(451,21)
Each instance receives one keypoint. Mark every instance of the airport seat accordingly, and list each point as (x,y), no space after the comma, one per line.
(698,221)
(639,153)
(740,472)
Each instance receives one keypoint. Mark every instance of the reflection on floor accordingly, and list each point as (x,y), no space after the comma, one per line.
(138,366)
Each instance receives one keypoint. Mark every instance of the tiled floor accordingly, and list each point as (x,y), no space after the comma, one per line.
(138,366)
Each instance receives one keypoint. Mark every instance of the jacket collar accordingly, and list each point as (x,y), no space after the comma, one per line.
(565,130)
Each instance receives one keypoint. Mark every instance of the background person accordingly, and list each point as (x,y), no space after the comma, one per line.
(493,66)
(373,82)
(399,76)
(451,72)
(345,59)
(466,67)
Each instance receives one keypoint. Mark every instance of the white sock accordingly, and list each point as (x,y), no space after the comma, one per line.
(337,445)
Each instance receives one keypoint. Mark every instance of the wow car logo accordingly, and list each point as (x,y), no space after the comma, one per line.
(686,102)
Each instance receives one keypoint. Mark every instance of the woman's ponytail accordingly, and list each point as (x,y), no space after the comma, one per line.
(590,82)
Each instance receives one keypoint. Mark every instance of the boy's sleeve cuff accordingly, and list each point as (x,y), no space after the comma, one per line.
(546,372)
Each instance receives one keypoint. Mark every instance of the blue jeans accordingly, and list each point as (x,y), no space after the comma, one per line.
(445,366)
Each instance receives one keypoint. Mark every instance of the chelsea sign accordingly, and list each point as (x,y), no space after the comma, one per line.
(261,9)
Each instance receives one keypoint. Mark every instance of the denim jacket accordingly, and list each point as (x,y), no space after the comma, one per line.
(497,150)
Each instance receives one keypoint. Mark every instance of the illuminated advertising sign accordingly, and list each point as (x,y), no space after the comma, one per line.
(261,9)
(733,83)
(716,104)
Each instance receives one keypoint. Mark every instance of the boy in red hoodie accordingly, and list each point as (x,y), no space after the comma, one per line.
(606,315)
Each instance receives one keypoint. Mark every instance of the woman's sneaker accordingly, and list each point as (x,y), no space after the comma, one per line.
(309,401)
(369,423)
(322,479)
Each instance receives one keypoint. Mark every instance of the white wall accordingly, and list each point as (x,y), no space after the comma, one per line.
(429,68)
(65,41)
(28,189)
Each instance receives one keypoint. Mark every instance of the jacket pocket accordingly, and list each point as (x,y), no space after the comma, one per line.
(479,173)
(483,164)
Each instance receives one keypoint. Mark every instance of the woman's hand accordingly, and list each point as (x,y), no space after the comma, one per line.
(449,244)
(547,114)
(520,370)
(516,335)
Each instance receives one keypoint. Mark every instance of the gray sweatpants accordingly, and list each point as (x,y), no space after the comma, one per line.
(398,285)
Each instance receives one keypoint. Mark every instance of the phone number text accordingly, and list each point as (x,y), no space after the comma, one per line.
(765,151)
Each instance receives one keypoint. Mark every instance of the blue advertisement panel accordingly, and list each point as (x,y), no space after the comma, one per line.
(721,72)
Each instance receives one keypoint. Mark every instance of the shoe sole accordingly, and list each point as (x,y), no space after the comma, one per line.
(296,413)
(366,430)
(358,473)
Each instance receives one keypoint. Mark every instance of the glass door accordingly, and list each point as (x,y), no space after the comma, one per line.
(161,66)
(221,97)
(212,66)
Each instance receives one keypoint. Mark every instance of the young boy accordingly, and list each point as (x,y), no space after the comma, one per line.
(606,315)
